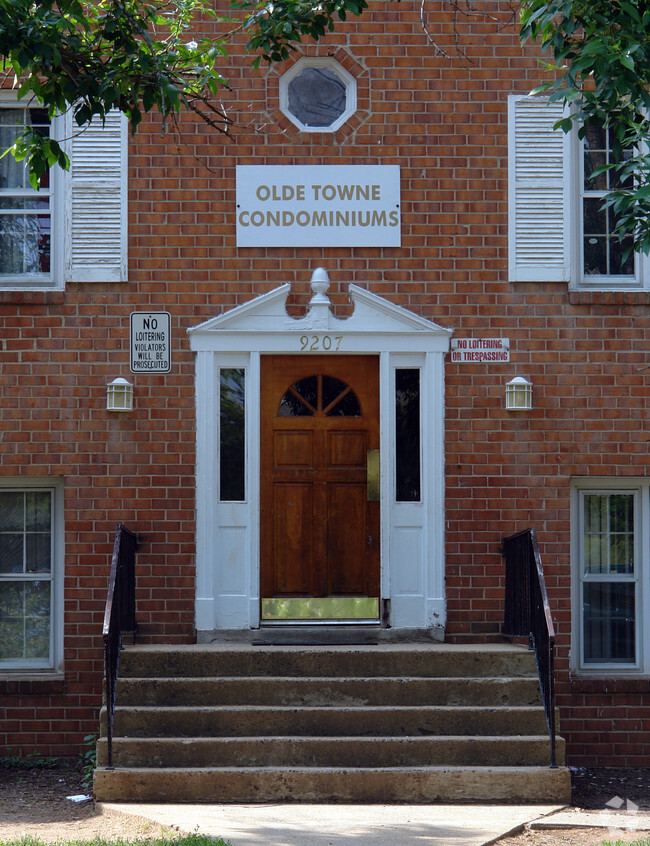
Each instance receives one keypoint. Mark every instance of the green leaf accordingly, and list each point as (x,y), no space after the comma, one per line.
(627,62)
(599,55)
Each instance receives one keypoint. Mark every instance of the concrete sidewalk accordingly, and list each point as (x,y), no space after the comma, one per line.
(610,820)
(336,825)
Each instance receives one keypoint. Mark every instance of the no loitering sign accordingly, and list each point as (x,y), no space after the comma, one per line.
(151,347)
(473,350)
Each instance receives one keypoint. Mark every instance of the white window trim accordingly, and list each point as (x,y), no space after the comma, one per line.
(639,281)
(55,664)
(55,280)
(88,207)
(335,67)
(545,170)
(608,485)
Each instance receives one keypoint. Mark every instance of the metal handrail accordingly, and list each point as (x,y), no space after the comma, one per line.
(119,619)
(527,613)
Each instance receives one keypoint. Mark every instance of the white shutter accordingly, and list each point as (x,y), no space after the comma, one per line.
(96,231)
(538,192)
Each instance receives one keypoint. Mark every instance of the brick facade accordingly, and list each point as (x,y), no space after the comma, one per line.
(443,120)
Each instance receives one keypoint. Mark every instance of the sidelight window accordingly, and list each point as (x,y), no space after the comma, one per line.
(232,418)
(407,435)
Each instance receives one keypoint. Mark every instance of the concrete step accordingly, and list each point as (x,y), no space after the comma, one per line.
(350,752)
(385,723)
(247,721)
(332,692)
(335,784)
(387,660)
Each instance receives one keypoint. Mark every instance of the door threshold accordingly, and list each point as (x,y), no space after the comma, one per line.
(316,624)
(320,609)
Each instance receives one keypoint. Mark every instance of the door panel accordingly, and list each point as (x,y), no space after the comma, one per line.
(319,531)
(293,449)
(346,504)
(293,536)
(347,449)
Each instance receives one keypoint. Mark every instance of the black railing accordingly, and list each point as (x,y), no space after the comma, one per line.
(119,619)
(528,614)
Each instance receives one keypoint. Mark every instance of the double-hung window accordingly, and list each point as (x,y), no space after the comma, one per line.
(73,229)
(31,576)
(26,214)
(604,259)
(558,230)
(610,528)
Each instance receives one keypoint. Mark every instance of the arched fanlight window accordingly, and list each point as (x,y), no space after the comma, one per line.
(319,395)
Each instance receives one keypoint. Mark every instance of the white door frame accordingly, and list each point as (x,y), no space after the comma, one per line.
(412,533)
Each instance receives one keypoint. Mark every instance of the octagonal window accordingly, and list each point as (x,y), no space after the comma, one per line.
(317,95)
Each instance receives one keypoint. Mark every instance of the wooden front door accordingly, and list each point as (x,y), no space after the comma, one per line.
(320,506)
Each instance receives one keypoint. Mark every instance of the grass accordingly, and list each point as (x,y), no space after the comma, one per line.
(187,840)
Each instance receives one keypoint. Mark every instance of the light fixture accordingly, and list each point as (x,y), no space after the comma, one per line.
(519,394)
(119,395)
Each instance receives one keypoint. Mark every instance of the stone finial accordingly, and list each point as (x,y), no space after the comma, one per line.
(320,282)
(319,304)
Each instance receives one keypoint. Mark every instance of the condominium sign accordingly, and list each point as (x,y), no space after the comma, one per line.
(318,206)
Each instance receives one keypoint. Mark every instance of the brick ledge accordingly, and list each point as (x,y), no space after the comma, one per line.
(610,298)
(31,684)
(619,684)
(31,297)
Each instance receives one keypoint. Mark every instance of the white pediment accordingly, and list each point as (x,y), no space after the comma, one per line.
(267,315)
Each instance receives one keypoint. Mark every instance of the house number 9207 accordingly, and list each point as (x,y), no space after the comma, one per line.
(314,343)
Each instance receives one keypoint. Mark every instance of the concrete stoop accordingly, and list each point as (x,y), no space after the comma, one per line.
(384,723)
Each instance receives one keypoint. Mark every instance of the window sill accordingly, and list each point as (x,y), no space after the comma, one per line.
(608,298)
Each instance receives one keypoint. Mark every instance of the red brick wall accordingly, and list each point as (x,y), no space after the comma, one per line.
(443,120)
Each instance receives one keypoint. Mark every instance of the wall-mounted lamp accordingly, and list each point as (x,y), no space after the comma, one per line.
(519,394)
(119,395)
